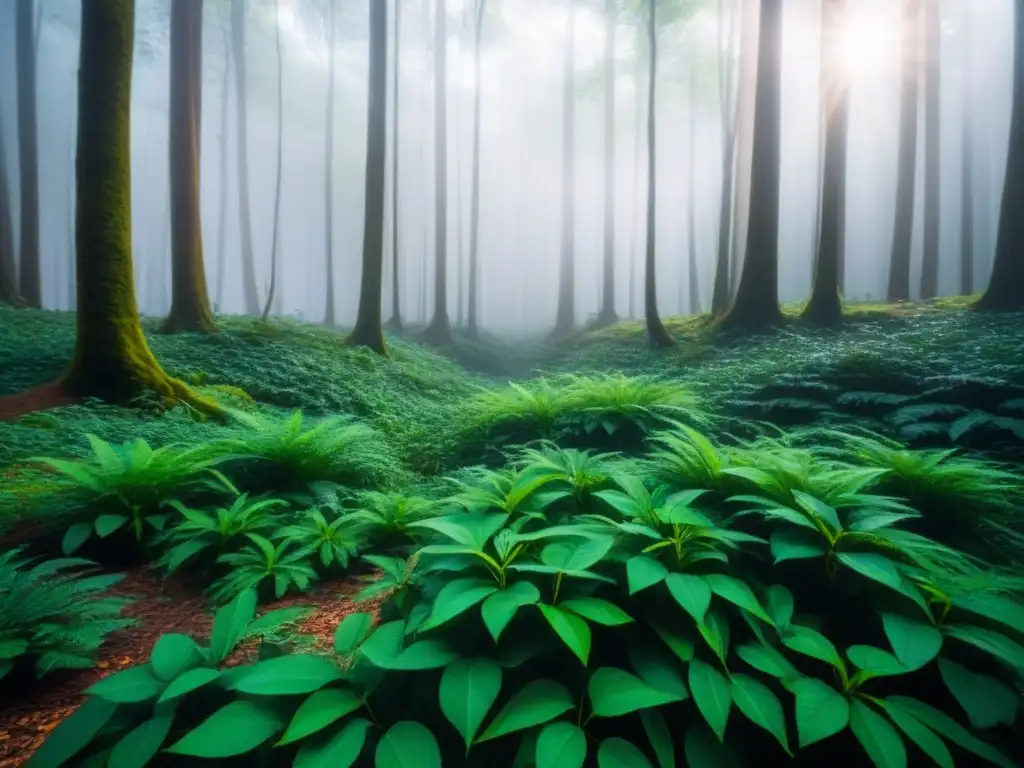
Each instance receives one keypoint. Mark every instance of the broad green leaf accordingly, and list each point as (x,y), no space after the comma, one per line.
(658,670)
(573,630)
(108,524)
(291,674)
(919,733)
(812,643)
(768,660)
(561,745)
(537,703)
(385,644)
(456,597)
(569,556)
(468,689)
(993,643)
(230,624)
(234,729)
(614,692)
(914,641)
(738,593)
(821,711)
(795,544)
(703,750)
(408,745)
(174,654)
(715,631)
(73,733)
(352,632)
(986,701)
(619,753)
(942,723)
(597,610)
(340,751)
(471,529)
(691,592)
(188,682)
(712,695)
(780,605)
(132,686)
(140,745)
(762,707)
(997,608)
(874,661)
(643,571)
(75,537)
(426,654)
(660,736)
(681,646)
(882,570)
(818,508)
(880,740)
(318,711)
(498,609)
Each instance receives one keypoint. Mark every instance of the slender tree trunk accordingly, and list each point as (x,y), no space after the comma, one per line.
(190,304)
(368,330)
(395,323)
(30,272)
(607,315)
(638,160)
(565,318)
(825,306)
(721,292)
(439,331)
(1006,288)
(693,279)
(932,150)
(967,164)
(329,318)
(903,227)
(750,26)
(280,157)
(473,310)
(8,271)
(757,300)
(250,291)
(222,229)
(656,333)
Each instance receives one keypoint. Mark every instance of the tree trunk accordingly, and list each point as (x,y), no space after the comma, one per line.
(250,291)
(656,333)
(329,318)
(1006,288)
(903,227)
(693,279)
(473,310)
(280,157)
(932,150)
(565,319)
(8,271)
(825,306)
(635,198)
(745,119)
(607,315)
(30,272)
(967,164)
(222,229)
(190,304)
(721,292)
(757,300)
(395,323)
(439,331)
(368,330)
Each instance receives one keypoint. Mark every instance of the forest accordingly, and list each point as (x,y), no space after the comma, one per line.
(521,383)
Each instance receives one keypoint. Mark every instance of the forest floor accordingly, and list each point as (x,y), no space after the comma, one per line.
(931,375)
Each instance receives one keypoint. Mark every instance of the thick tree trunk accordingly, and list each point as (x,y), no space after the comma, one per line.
(329,316)
(222,229)
(932,150)
(30,272)
(473,310)
(607,315)
(757,300)
(825,306)
(721,292)
(745,134)
(395,323)
(903,227)
(1006,288)
(250,291)
(190,304)
(368,330)
(693,279)
(8,271)
(967,164)
(274,237)
(565,318)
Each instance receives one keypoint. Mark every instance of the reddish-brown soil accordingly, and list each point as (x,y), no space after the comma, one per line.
(40,398)
(160,607)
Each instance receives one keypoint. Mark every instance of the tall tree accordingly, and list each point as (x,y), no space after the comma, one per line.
(932,149)
(274,237)
(222,229)
(638,82)
(693,279)
(30,272)
(825,306)
(8,270)
(565,318)
(250,292)
(903,227)
(967,113)
(746,98)
(727,104)
(656,333)
(439,331)
(395,323)
(368,330)
(329,318)
(1006,287)
(190,304)
(757,300)
(473,320)
(607,315)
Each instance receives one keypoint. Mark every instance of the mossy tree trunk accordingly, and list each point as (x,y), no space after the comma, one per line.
(757,299)
(395,324)
(190,303)
(473,310)
(565,317)
(8,271)
(368,330)
(329,315)
(932,149)
(727,103)
(1006,288)
(607,315)
(250,291)
(30,272)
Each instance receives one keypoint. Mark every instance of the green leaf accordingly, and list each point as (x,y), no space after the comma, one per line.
(569,556)
(874,661)
(986,701)
(768,660)
(712,695)
(173,655)
(188,682)
(658,670)
(614,692)
(919,733)
(132,686)
(818,508)
(880,740)
(738,593)
(408,745)
(234,729)
(702,750)
(426,654)
(997,608)
(385,644)
(352,632)
(230,624)
(691,592)
(138,748)
(468,689)
(942,723)
(108,524)
(472,529)
(537,703)
(457,597)
(914,642)
(561,745)
(75,537)
(812,643)
(795,544)
(821,711)
(644,571)
(498,609)
(780,605)
(619,753)
(882,570)
(993,643)
(340,751)
(318,711)
(597,610)
(73,733)
(291,674)
(680,646)
(660,736)
(761,707)
(573,630)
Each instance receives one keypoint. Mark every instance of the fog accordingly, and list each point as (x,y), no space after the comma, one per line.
(520,194)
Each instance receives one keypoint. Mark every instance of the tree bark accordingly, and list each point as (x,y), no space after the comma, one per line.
(395,323)
(693,279)
(638,159)
(473,310)
(280,157)
(721,291)
(368,330)
(329,316)
(967,164)
(250,291)
(222,229)
(8,271)
(30,272)
(565,318)
(607,315)
(932,151)
(745,109)
(757,300)
(190,304)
